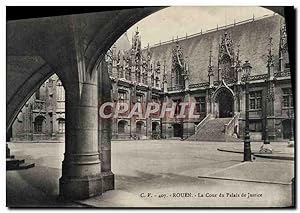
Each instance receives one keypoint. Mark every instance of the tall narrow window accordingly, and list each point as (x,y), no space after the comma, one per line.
(200,105)
(37,94)
(60,91)
(157,81)
(255,100)
(61,125)
(287,97)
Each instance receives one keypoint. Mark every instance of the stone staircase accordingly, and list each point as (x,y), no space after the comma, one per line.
(214,130)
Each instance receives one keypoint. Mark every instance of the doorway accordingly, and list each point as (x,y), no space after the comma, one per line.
(178,130)
(286,129)
(224,104)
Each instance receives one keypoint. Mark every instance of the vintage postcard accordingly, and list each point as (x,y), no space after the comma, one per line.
(143,107)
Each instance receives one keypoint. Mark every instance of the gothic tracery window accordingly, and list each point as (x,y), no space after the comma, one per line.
(255,100)
(225,66)
(60,91)
(287,97)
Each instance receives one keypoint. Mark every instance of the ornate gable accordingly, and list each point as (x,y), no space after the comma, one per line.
(178,64)
(226,58)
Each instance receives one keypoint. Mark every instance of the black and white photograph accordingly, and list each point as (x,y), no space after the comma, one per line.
(150,107)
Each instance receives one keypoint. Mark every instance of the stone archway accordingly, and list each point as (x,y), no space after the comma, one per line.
(155,129)
(223,102)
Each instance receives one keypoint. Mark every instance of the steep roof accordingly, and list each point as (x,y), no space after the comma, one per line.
(253,38)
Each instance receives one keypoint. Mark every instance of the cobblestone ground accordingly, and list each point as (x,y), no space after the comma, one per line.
(160,173)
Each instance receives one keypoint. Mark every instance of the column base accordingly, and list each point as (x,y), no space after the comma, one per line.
(266,149)
(108,181)
(80,188)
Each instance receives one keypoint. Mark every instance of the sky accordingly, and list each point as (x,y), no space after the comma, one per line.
(179,21)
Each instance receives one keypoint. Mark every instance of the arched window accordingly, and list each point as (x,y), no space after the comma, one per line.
(61,125)
(226,70)
(60,91)
(121,127)
(38,124)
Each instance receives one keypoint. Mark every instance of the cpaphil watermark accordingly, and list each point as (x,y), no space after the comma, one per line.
(142,111)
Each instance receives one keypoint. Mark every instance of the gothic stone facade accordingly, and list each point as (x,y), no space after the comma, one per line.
(206,68)
(43,116)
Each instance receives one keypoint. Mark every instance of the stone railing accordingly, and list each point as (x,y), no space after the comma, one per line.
(232,81)
(176,88)
(282,74)
(258,77)
(229,127)
(204,120)
(199,85)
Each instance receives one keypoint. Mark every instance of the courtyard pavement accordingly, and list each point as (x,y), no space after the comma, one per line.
(165,173)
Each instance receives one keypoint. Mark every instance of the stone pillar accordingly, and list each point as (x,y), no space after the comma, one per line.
(148,130)
(105,132)
(164,121)
(81,167)
(271,119)
(54,124)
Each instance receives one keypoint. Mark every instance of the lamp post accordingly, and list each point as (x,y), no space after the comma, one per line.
(247,147)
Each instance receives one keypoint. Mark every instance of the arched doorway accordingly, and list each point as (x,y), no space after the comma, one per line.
(140,128)
(155,130)
(223,102)
(38,124)
(121,127)
(286,129)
